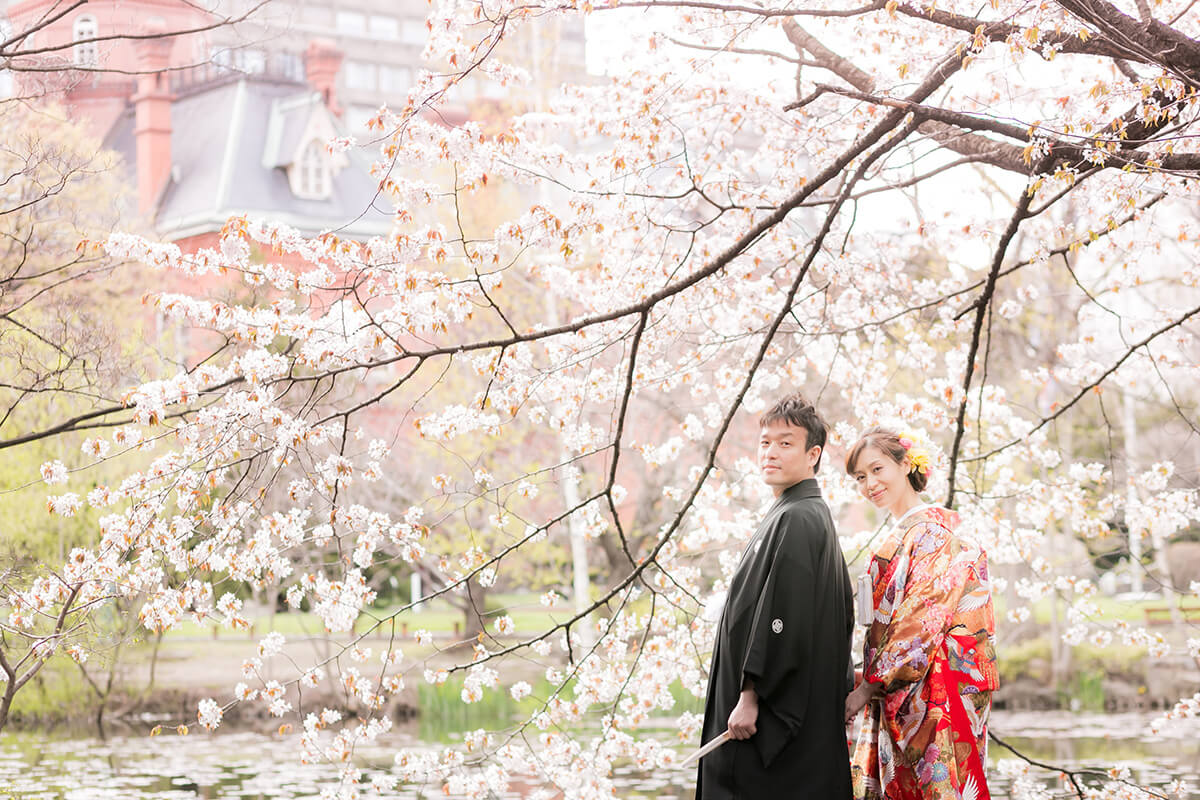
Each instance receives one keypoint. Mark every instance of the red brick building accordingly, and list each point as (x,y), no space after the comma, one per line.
(204,142)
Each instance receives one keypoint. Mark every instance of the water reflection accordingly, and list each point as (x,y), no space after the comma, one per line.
(256,766)
(1104,741)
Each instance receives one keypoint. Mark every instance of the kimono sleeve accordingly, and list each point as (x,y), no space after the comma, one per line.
(922,590)
(780,645)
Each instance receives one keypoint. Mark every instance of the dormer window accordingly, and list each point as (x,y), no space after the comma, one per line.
(296,136)
(313,174)
(85,52)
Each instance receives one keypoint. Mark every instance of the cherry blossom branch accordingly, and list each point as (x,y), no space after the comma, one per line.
(1089,387)
(1072,776)
(1062,152)
(1175,51)
(626,393)
(75,423)
(743,51)
(936,77)
(884,127)
(907,182)
(971,287)
(757,11)
(669,531)
(984,307)
(1002,31)
(966,144)
(847,70)
(14,681)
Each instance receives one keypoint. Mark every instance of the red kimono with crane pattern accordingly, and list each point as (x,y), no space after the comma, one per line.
(931,647)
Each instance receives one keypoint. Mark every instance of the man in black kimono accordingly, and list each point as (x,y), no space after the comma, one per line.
(781,664)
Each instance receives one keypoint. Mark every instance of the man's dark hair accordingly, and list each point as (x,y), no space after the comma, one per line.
(795,410)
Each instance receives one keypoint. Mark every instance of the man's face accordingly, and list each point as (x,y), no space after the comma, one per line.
(782,457)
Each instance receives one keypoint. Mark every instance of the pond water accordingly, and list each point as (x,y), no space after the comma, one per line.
(255,766)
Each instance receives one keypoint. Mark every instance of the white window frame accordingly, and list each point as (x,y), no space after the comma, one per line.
(413,31)
(252,61)
(86,54)
(314,175)
(361,75)
(394,79)
(382,26)
(351,22)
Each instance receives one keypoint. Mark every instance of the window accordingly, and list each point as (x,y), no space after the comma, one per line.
(25,42)
(394,79)
(413,31)
(360,75)
(252,61)
(384,27)
(350,22)
(85,54)
(314,178)
(6,80)
(240,60)
(289,65)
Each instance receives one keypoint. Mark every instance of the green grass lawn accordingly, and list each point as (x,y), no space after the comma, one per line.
(529,616)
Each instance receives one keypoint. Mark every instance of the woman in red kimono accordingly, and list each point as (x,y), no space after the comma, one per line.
(929,666)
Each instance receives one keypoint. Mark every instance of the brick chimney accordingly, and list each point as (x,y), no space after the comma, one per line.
(322,60)
(152,114)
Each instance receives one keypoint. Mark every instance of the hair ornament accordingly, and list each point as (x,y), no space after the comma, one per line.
(917,451)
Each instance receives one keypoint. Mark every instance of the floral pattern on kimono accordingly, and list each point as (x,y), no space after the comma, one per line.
(931,647)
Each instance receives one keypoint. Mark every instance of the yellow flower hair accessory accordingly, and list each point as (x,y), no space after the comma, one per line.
(917,452)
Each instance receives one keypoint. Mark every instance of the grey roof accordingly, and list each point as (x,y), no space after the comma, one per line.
(230,142)
(285,125)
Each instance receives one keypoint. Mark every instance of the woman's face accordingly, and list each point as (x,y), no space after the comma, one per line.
(880,479)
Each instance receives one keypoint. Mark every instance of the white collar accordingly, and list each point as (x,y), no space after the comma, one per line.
(912,511)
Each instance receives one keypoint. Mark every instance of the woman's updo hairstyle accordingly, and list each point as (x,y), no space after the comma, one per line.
(895,447)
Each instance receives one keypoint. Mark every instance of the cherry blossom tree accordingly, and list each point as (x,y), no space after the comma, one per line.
(873,203)
(73,332)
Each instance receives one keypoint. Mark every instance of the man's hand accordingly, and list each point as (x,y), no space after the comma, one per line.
(744,718)
(864,693)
